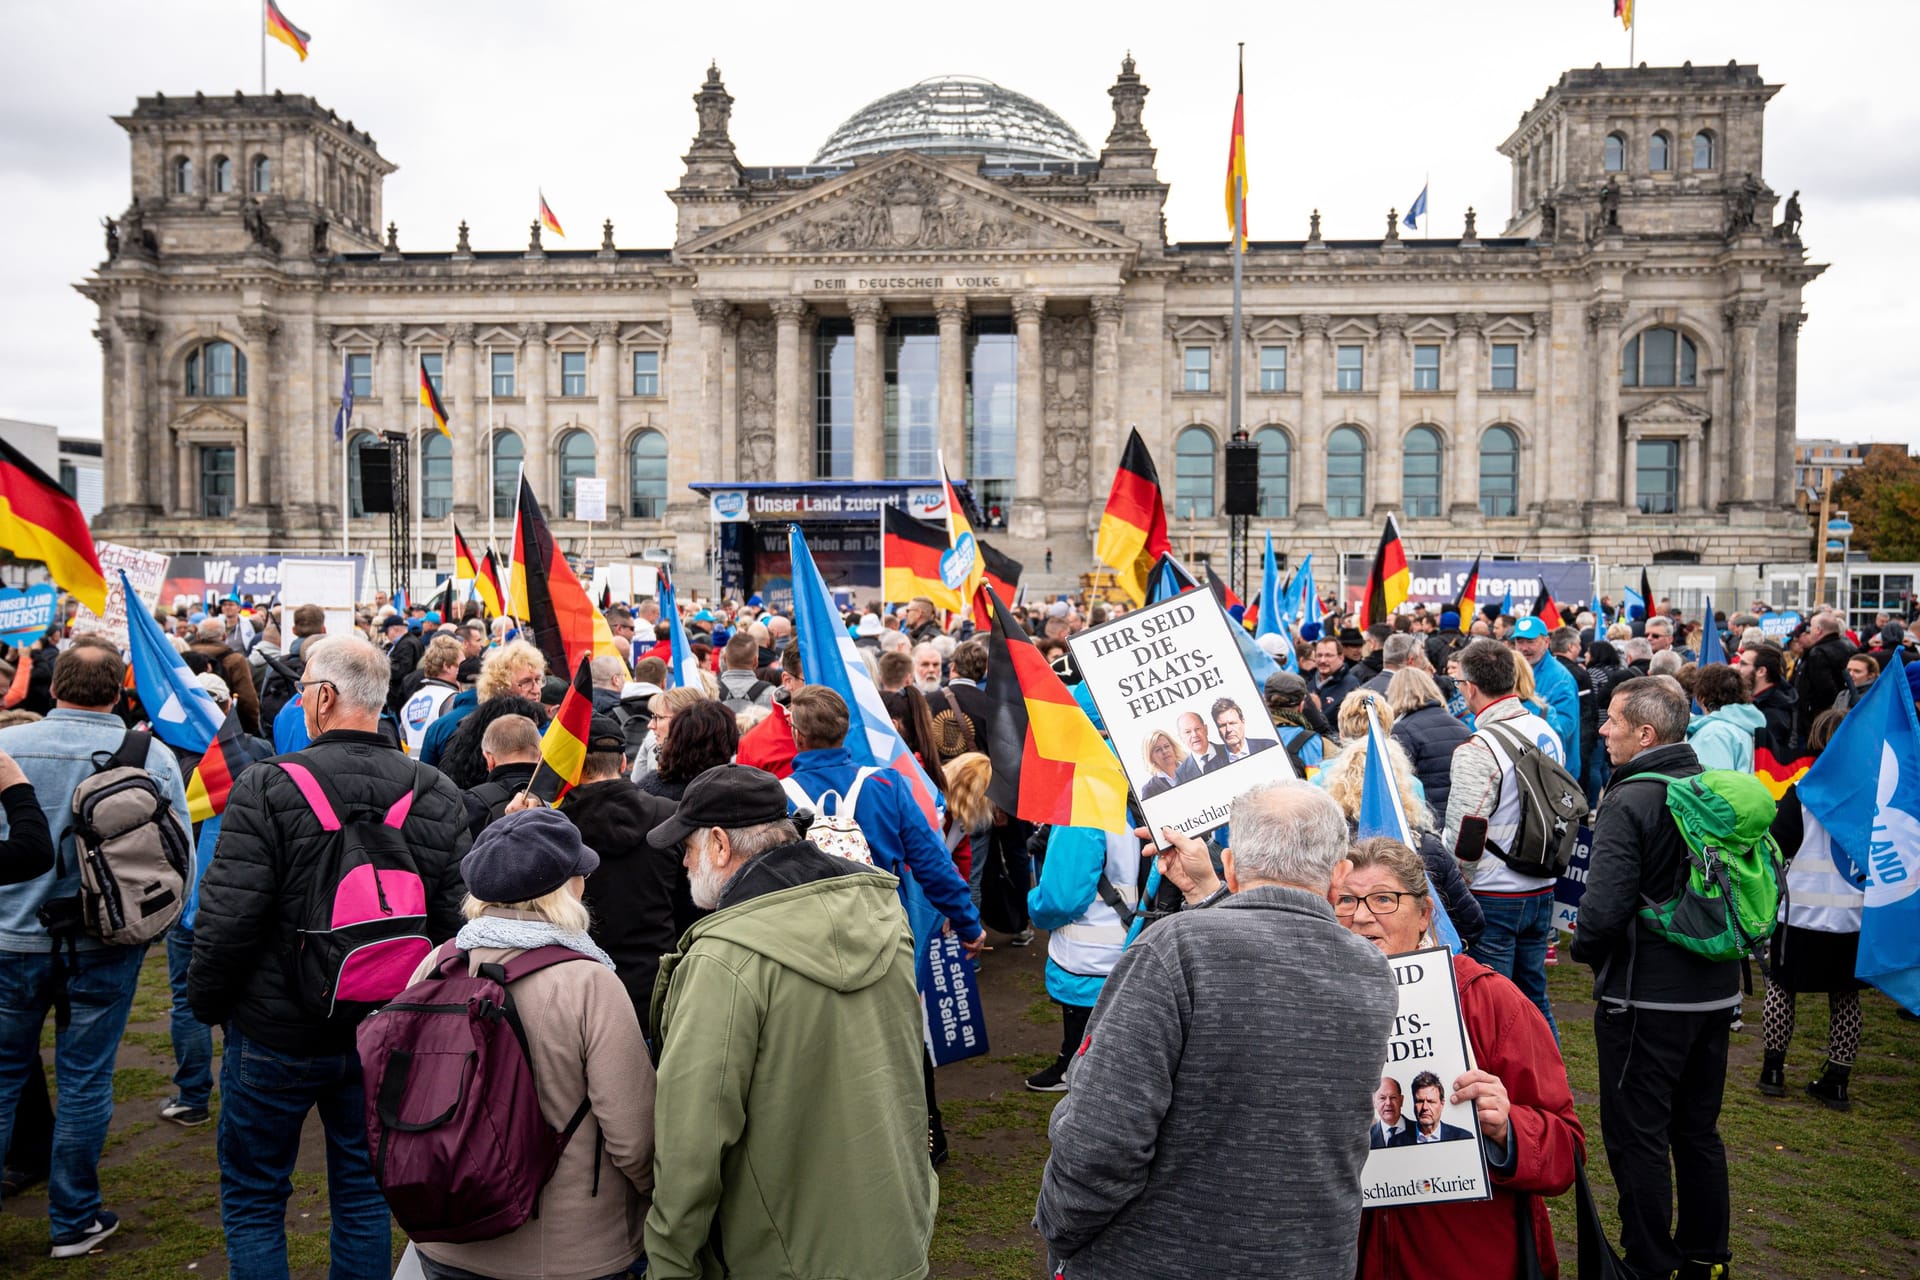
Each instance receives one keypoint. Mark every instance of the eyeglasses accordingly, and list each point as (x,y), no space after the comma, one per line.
(1383,903)
(317,684)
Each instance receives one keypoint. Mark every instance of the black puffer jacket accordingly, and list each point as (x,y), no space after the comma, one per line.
(639,896)
(254,895)
(1431,735)
(1818,680)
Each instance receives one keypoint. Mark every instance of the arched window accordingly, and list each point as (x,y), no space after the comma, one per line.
(1420,473)
(1659,149)
(1703,150)
(1659,358)
(647,475)
(1276,472)
(356,501)
(436,476)
(262,175)
(1500,472)
(576,460)
(182,176)
(1613,154)
(1346,473)
(217,370)
(508,454)
(222,176)
(1193,474)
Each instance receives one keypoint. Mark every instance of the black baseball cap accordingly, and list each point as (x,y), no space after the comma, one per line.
(727,795)
(604,734)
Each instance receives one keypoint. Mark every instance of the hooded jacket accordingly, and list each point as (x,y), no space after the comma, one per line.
(1778,705)
(1818,679)
(790,1133)
(1723,738)
(633,895)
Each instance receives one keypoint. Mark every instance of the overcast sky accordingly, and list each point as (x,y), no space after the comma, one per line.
(1349,104)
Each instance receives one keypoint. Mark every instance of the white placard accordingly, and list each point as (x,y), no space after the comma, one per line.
(590,498)
(1187,720)
(327,583)
(1426,1052)
(146,570)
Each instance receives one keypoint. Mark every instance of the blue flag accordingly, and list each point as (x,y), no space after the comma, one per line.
(1599,614)
(1306,596)
(1271,604)
(1865,790)
(183,715)
(1382,814)
(1711,650)
(1169,578)
(1506,604)
(343,416)
(1631,600)
(1416,211)
(684,668)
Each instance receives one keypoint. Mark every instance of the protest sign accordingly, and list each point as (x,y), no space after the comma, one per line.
(145,569)
(590,498)
(956,1025)
(1421,1148)
(1572,885)
(26,615)
(1779,626)
(1187,720)
(327,582)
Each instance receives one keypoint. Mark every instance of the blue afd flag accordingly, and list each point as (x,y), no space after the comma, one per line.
(1629,601)
(1306,596)
(183,715)
(684,669)
(1506,604)
(1416,211)
(1599,614)
(1865,790)
(1711,650)
(1271,623)
(1169,578)
(1382,814)
(343,416)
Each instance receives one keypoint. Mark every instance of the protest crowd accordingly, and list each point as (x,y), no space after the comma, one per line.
(599,934)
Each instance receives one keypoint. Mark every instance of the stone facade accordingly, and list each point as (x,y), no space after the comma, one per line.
(1642,234)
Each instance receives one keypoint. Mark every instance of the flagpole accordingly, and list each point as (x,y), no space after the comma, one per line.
(263,48)
(416,464)
(1426,213)
(487,466)
(1239,237)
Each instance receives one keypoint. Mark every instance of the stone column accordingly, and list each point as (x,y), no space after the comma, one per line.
(714,315)
(1604,318)
(1030,416)
(1693,481)
(126,470)
(1541,463)
(954,445)
(1386,487)
(261,488)
(469,426)
(1464,457)
(1786,406)
(1103,448)
(789,392)
(606,429)
(533,393)
(1310,470)
(869,390)
(1752,464)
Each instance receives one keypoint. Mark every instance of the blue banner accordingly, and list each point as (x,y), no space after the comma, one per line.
(26,615)
(1572,884)
(949,993)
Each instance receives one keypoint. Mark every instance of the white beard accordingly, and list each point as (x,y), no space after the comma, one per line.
(706,883)
(928,684)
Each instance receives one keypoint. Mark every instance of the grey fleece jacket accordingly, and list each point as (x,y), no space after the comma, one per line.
(1218,1119)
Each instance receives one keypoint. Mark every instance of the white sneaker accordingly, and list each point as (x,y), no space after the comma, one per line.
(1021,939)
(85,1242)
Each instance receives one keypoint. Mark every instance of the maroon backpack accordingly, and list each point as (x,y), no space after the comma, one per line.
(459,1146)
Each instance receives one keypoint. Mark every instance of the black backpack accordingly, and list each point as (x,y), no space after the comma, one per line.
(1552,807)
(280,686)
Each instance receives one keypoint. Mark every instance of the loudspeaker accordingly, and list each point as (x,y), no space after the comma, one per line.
(376,479)
(1243,479)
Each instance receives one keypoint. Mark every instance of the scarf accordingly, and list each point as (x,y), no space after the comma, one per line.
(525,935)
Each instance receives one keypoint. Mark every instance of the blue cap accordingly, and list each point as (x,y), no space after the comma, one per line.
(433,617)
(1449,621)
(1310,631)
(1529,628)
(705,615)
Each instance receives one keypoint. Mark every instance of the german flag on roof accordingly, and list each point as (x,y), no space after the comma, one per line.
(910,553)
(285,32)
(1133,528)
(431,399)
(40,521)
(563,747)
(1388,580)
(548,220)
(1049,763)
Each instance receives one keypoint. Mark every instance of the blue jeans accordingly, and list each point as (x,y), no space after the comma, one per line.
(1515,943)
(264,1099)
(100,988)
(192,1038)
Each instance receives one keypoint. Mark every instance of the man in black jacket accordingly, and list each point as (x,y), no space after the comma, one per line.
(283,1055)
(511,748)
(1773,697)
(1661,1014)
(1822,672)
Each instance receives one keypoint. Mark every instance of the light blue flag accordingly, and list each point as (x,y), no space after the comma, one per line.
(183,715)
(684,669)
(1865,790)
(1630,600)
(1599,614)
(1416,211)
(1271,605)
(1711,650)
(1382,814)
(1506,604)
(1306,596)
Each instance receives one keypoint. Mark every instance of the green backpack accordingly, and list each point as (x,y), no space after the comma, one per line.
(1726,907)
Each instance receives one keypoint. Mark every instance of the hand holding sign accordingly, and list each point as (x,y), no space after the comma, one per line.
(1490,1104)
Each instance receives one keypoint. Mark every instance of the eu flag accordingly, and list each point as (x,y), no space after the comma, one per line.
(1416,211)
(343,417)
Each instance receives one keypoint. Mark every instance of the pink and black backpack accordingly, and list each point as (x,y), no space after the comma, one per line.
(365,929)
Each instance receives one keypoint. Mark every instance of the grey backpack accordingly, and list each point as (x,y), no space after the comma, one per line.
(134,854)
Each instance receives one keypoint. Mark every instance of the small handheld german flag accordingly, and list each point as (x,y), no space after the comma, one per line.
(431,400)
(486,582)
(1545,609)
(563,747)
(1467,601)
(285,32)
(547,219)
(212,779)
(1388,580)
(465,567)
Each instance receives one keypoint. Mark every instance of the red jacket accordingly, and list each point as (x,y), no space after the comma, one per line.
(769,744)
(1481,1240)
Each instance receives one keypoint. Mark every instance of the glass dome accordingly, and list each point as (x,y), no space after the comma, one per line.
(957,115)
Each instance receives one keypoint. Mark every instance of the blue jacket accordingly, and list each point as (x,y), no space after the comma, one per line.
(290,726)
(896,832)
(1069,886)
(459,707)
(1554,687)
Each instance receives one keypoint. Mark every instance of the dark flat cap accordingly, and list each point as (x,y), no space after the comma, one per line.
(526,855)
(727,795)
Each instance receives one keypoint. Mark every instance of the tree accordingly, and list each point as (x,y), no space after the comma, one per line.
(1882,498)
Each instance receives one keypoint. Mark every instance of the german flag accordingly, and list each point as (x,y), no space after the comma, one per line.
(285,32)
(1646,596)
(1387,580)
(486,581)
(547,219)
(1049,762)
(1222,592)
(1003,571)
(1133,528)
(563,747)
(1467,601)
(1777,775)
(1623,10)
(40,521)
(465,567)
(212,779)
(1545,609)
(549,598)
(606,597)
(431,399)
(965,555)
(910,555)
(1237,166)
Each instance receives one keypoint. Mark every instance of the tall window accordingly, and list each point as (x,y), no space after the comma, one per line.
(360,369)
(1426,366)
(434,363)
(1500,472)
(1656,476)
(436,476)
(216,480)
(1658,358)
(1193,474)
(913,396)
(576,460)
(1659,147)
(262,175)
(833,398)
(1420,472)
(1273,368)
(646,373)
(1276,472)
(503,373)
(508,454)
(217,370)
(992,400)
(573,373)
(1506,366)
(1613,154)
(1198,369)
(356,501)
(182,176)
(1703,150)
(1346,473)
(647,475)
(1349,368)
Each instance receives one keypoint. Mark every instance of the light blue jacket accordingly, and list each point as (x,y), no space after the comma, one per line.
(1561,696)
(1066,902)
(57,754)
(1723,739)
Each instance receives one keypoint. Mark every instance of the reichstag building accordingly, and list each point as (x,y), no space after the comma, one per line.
(957,271)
